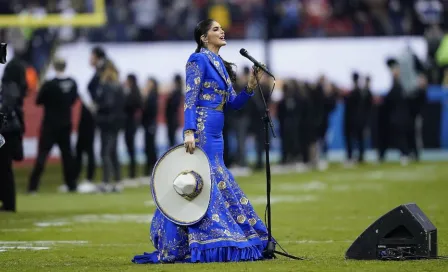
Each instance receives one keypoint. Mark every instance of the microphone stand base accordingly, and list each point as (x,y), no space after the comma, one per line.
(269,253)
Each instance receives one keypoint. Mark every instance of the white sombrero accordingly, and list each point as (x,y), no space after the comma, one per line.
(181,185)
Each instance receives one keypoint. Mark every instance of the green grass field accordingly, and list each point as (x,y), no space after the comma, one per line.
(315,215)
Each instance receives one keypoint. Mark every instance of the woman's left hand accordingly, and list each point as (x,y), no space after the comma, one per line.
(189,141)
(256,71)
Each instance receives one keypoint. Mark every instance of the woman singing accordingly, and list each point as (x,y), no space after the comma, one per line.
(230,231)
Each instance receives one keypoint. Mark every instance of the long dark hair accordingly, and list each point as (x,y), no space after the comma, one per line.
(201,29)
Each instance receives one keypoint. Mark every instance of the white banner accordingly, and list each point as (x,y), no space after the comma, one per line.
(304,59)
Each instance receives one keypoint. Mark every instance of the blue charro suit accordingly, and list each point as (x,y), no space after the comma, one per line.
(230,230)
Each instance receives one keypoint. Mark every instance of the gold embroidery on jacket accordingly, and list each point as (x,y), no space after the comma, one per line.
(192,71)
(201,118)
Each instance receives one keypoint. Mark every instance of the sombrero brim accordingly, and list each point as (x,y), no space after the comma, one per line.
(174,207)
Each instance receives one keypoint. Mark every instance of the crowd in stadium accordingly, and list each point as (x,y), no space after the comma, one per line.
(173,19)
(168,20)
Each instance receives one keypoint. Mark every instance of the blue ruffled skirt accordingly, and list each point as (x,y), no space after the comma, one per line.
(231,231)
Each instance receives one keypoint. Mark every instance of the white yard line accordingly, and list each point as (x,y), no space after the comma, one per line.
(322,186)
(20,230)
(34,245)
(42,242)
(313,242)
(261,200)
(314,185)
(353,217)
(420,174)
(112,218)
(96,218)
(50,224)
(5,248)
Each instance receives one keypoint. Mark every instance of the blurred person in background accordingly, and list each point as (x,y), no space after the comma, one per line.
(149,122)
(317,115)
(229,120)
(257,109)
(16,72)
(384,129)
(417,103)
(397,104)
(330,96)
(132,108)
(241,127)
(367,90)
(304,124)
(110,116)
(358,104)
(172,109)
(413,81)
(350,120)
(57,97)
(368,85)
(288,116)
(441,56)
(86,127)
(13,87)
(365,111)
(434,36)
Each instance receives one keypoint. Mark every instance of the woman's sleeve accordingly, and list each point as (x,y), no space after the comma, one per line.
(237,101)
(194,77)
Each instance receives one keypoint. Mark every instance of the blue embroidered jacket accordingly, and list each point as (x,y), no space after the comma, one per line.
(208,85)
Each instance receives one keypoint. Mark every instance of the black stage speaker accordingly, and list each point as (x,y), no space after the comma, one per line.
(403,233)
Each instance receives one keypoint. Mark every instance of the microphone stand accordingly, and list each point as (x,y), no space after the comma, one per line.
(269,251)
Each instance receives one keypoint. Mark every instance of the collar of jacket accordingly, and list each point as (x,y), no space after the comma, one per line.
(214,60)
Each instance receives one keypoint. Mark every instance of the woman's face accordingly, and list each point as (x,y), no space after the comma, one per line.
(215,36)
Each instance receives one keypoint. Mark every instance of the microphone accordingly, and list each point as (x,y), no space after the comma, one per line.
(244,53)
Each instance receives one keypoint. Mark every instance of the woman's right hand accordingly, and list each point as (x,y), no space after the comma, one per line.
(189,141)
(256,72)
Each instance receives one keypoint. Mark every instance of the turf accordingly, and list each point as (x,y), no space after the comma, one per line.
(315,215)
